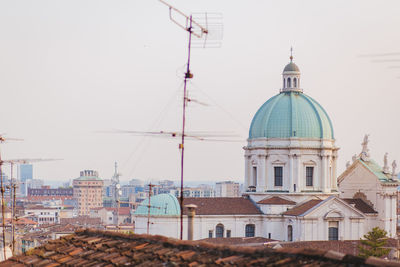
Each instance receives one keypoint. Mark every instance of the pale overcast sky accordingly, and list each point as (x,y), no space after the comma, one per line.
(71,68)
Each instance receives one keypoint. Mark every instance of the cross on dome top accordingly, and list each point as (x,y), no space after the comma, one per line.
(291,54)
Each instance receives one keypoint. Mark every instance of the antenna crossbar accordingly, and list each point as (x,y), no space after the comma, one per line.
(189,22)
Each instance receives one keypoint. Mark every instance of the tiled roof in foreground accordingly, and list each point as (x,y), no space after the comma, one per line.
(97,248)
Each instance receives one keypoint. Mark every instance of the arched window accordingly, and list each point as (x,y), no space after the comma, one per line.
(250,230)
(284,83)
(290,233)
(289,84)
(219,230)
(294,82)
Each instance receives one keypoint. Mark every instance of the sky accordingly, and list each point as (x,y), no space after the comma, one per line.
(72,72)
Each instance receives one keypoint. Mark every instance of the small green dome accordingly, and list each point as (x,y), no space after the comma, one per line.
(162,204)
(291,67)
(291,114)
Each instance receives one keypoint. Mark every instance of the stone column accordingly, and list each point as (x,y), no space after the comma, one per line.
(247,174)
(291,181)
(261,185)
(269,174)
(297,174)
(324,164)
(334,174)
(328,183)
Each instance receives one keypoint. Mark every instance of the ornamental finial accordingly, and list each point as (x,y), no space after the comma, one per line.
(291,53)
(394,166)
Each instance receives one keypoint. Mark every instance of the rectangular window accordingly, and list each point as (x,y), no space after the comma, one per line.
(210,234)
(309,176)
(250,230)
(278,174)
(333,231)
(254,176)
(228,233)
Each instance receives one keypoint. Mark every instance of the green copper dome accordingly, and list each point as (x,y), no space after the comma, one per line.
(291,67)
(291,114)
(162,204)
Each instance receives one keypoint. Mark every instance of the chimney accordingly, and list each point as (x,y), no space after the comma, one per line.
(191,213)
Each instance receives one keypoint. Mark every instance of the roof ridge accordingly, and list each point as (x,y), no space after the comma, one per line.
(93,247)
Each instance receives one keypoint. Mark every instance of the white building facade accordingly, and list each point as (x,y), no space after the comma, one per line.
(290,178)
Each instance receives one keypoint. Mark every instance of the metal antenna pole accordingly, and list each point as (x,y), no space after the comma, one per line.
(118,214)
(2,210)
(13,187)
(188,75)
(148,208)
(14,217)
(199,31)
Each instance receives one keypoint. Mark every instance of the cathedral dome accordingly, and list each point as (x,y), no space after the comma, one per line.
(160,205)
(291,114)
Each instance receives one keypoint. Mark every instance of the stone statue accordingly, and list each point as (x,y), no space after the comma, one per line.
(386,164)
(394,166)
(348,164)
(365,150)
(365,143)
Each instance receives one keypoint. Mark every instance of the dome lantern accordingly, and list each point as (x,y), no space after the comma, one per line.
(291,76)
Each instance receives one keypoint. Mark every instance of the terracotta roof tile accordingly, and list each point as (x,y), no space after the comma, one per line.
(276,201)
(99,248)
(302,208)
(222,205)
(239,241)
(360,204)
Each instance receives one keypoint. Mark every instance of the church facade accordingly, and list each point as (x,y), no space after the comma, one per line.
(293,192)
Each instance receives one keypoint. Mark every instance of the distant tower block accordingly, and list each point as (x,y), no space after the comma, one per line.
(88,191)
(25,172)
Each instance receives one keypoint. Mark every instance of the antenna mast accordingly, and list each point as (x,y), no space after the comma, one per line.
(13,191)
(148,208)
(2,140)
(199,31)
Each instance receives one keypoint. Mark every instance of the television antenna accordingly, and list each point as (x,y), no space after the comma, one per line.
(195,136)
(3,140)
(200,28)
(13,187)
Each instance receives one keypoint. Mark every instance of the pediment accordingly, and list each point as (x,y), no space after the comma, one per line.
(334,208)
